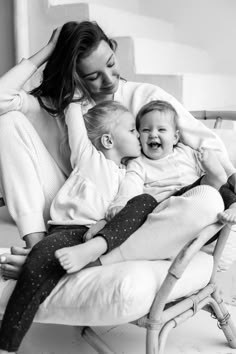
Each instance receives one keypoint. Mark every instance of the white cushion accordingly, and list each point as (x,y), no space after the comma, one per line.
(120,293)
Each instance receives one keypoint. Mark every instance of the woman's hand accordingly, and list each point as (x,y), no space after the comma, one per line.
(54,37)
(94,229)
(43,54)
(11,263)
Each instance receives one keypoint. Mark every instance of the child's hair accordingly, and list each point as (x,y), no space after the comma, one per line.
(158,105)
(101,119)
(61,76)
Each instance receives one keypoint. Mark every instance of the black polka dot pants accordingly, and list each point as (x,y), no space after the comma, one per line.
(40,274)
(128,220)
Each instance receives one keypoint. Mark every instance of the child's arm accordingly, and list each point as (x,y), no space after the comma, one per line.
(80,145)
(132,185)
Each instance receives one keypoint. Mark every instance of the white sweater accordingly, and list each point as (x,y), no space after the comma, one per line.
(131,94)
(160,178)
(94,182)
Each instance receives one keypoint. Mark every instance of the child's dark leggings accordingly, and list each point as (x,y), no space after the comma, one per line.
(40,274)
(42,271)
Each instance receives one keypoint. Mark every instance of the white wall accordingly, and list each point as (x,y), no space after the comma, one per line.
(6,36)
(209,24)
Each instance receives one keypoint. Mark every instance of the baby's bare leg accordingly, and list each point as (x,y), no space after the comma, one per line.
(215,174)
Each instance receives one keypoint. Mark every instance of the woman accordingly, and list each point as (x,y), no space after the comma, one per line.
(81,66)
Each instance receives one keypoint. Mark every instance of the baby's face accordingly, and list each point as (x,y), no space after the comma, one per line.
(158,134)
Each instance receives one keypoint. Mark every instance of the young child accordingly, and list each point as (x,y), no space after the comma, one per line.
(166,167)
(82,201)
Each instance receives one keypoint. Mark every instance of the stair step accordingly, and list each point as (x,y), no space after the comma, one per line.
(161,57)
(146,56)
(118,22)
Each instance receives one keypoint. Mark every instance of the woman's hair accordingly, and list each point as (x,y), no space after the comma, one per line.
(61,75)
(101,119)
(158,105)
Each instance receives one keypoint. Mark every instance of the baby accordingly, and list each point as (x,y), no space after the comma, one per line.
(166,167)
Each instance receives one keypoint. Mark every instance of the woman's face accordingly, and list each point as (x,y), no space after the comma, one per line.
(100,72)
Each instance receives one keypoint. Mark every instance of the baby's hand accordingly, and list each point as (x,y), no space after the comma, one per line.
(94,229)
(112,212)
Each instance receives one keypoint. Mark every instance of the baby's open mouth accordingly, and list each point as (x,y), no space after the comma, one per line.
(154,145)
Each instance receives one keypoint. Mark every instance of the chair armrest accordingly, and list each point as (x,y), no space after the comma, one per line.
(178,267)
(218,250)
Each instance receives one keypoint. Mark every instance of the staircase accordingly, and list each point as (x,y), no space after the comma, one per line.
(149,49)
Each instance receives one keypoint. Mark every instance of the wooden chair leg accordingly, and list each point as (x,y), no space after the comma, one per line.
(152,341)
(164,334)
(95,341)
(224,319)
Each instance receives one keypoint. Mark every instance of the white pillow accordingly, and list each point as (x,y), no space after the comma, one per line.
(120,292)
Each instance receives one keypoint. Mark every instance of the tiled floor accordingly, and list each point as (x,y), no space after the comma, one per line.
(198,335)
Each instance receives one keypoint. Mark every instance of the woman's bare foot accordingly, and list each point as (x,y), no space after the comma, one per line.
(11,264)
(73,259)
(215,174)
(228,215)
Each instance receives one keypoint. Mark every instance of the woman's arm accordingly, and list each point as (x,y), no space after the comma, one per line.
(12,96)
(44,53)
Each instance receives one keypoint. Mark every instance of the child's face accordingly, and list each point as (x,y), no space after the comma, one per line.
(158,134)
(125,136)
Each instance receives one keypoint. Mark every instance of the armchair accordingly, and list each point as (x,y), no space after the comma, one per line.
(156,295)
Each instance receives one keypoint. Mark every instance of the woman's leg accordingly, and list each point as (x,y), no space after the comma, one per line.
(40,274)
(229,198)
(29,179)
(29,176)
(170,226)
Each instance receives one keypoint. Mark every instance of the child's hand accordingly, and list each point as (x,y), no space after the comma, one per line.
(94,229)
(112,212)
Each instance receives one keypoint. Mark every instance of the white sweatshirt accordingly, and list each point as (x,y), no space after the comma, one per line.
(85,196)
(160,178)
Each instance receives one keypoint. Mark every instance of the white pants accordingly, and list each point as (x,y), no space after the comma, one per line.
(170,226)
(29,176)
